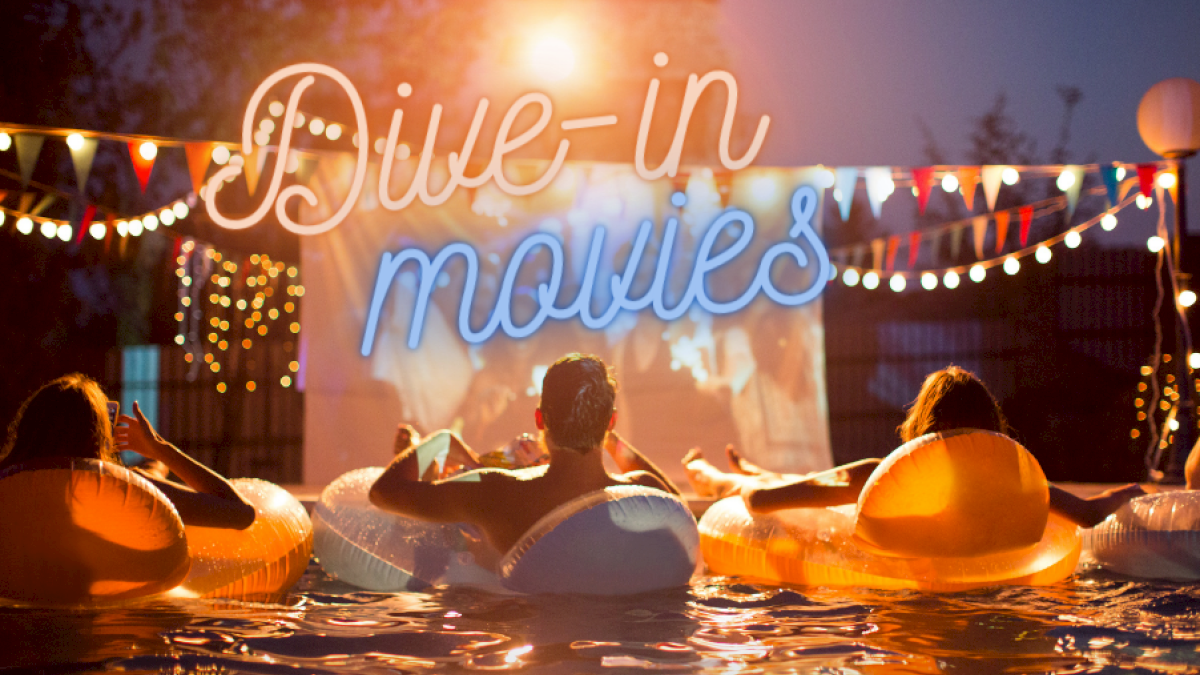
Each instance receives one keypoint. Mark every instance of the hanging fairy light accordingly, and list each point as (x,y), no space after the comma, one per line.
(929,281)
(1012,266)
(1010,176)
(870,280)
(897,282)
(1155,244)
(1073,239)
(850,277)
(977,273)
(950,279)
(1042,254)
(1108,222)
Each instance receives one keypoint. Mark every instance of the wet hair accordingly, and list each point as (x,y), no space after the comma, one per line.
(67,417)
(952,398)
(577,401)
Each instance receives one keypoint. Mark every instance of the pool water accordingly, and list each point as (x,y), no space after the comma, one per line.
(1094,622)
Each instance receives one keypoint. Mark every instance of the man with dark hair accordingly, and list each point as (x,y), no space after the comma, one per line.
(576,417)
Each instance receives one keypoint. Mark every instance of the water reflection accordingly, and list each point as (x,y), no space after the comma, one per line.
(1094,623)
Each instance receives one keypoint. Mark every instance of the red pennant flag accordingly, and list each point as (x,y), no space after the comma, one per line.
(968,176)
(1146,178)
(88,214)
(3,195)
(914,247)
(199,155)
(141,166)
(923,180)
(1026,213)
(1001,229)
(893,244)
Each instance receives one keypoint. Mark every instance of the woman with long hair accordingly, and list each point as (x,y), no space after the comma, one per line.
(68,418)
(951,398)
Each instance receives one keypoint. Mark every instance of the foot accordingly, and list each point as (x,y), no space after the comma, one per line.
(740,464)
(707,481)
(406,437)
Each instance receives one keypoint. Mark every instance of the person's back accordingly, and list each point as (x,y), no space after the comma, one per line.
(575,417)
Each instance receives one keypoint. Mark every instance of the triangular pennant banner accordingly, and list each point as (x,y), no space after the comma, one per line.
(991,184)
(914,246)
(979,228)
(844,180)
(968,176)
(1073,190)
(1001,229)
(1108,174)
(879,186)
(29,146)
(923,181)
(82,159)
(26,202)
(3,195)
(304,172)
(893,244)
(877,253)
(253,167)
(935,238)
(141,166)
(856,255)
(89,214)
(1146,178)
(1026,213)
(43,204)
(956,236)
(199,156)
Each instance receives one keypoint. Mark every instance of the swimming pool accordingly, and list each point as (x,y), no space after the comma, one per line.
(1095,622)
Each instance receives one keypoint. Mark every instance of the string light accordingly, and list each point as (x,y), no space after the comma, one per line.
(1012,266)
(870,280)
(977,273)
(929,281)
(897,282)
(950,279)
(850,277)
(1187,298)
(1155,244)
(1108,222)
(1073,239)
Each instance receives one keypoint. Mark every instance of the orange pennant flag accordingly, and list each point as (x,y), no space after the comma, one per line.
(26,202)
(199,156)
(141,166)
(979,225)
(893,244)
(1001,229)
(968,176)
(253,167)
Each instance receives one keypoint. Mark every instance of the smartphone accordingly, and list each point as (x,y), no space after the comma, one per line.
(114,407)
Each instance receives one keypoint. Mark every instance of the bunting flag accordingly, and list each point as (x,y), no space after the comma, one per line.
(26,202)
(1026,213)
(3,195)
(967,177)
(89,214)
(879,186)
(923,180)
(844,180)
(252,168)
(1073,191)
(877,253)
(1146,178)
(199,156)
(306,169)
(935,238)
(991,184)
(1001,229)
(29,146)
(856,255)
(43,204)
(956,236)
(914,247)
(82,160)
(141,166)
(1108,175)
(979,226)
(893,245)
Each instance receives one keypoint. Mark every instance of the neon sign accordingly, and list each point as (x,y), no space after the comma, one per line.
(705,260)
(803,208)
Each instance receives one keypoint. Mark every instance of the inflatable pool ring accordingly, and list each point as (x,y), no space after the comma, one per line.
(1154,536)
(264,559)
(83,531)
(621,540)
(953,511)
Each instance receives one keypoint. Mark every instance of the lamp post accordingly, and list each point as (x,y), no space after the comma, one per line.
(1169,123)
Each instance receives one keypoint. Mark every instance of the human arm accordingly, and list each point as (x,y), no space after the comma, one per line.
(206,499)
(629,460)
(409,485)
(840,485)
(1091,511)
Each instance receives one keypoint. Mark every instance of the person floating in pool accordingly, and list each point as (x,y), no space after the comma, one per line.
(951,398)
(68,418)
(575,416)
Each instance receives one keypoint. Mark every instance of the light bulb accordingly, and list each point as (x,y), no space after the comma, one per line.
(1155,244)
(333,132)
(1042,254)
(148,150)
(1073,239)
(75,141)
(950,279)
(929,281)
(1187,298)
(276,108)
(977,273)
(220,154)
(1012,266)
(850,277)
(949,182)
(1108,222)
(316,127)
(870,280)
(25,225)
(97,230)
(1166,180)
(897,282)
(1066,179)
(1010,176)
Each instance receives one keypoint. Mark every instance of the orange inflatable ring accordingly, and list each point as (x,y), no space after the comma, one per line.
(944,512)
(265,559)
(83,531)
